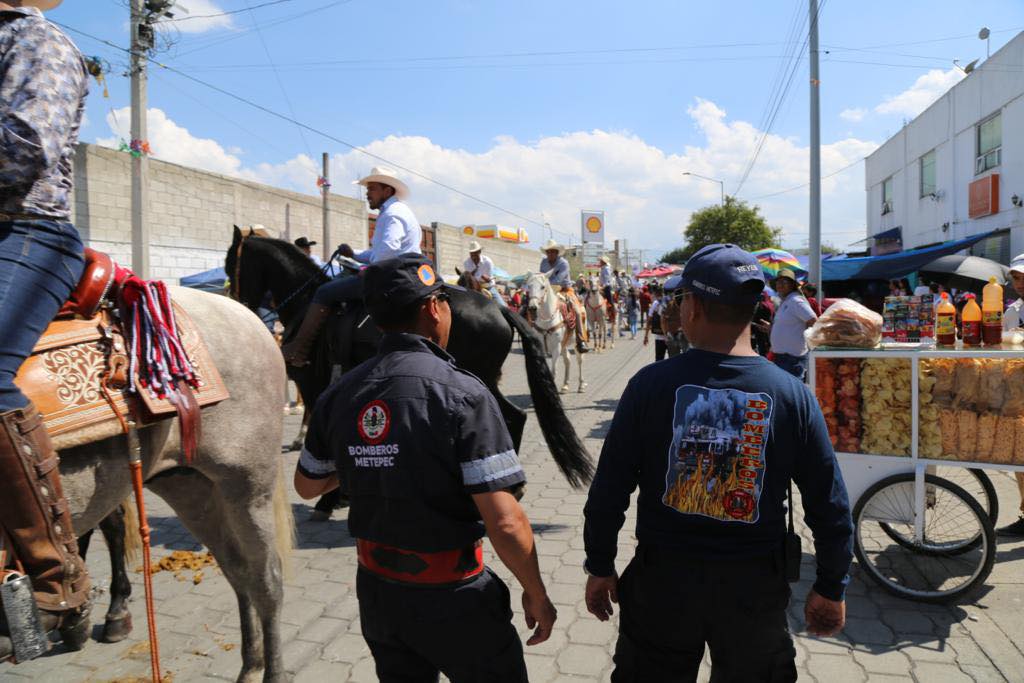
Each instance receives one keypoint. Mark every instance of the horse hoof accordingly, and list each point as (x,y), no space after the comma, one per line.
(116,630)
(564,389)
(582,387)
(319,516)
(75,633)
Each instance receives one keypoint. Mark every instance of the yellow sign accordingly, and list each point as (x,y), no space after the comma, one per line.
(468,230)
(594,225)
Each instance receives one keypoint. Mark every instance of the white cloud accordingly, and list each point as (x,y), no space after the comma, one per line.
(855,115)
(642,188)
(202,16)
(925,90)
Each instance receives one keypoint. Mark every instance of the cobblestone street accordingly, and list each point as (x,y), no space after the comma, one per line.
(886,639)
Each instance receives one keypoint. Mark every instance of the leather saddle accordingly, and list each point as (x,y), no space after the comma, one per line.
(78,372)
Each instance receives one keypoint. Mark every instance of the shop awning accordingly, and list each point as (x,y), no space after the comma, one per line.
(891,265)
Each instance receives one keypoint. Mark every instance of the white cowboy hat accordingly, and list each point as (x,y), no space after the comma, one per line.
(551,244)
(475,246)
(385,176)
(603,259)
(42,5)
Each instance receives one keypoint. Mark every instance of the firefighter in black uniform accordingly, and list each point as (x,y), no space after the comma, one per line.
(421,449)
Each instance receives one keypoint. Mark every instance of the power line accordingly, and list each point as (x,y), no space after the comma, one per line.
(798,187)
(176,20)
(311,129)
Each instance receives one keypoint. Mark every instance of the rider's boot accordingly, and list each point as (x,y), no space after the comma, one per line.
(37,520)
(296,352)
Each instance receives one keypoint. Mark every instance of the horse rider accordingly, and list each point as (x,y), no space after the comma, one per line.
(423,451)
(481,267)
(43,86)
(396,232)
(305,245)
(556,268)
(606,278)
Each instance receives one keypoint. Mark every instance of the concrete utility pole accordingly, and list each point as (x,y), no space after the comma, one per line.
(815,217)
(140,163)
(325,241)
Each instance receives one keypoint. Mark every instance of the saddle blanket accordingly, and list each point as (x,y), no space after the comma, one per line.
(63,378)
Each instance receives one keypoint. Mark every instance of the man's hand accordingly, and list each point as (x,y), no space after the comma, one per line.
(824,617)
(540,616)
(601,592)
(346,251)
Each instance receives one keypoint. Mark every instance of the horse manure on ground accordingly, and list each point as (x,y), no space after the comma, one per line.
(181,561)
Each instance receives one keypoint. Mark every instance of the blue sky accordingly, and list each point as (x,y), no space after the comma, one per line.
(545,108)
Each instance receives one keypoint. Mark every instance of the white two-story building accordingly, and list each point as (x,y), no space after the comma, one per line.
(957,169)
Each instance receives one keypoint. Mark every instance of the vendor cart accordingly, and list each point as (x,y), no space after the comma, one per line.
(914,452)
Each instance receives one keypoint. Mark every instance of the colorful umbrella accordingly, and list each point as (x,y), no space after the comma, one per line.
(773,260)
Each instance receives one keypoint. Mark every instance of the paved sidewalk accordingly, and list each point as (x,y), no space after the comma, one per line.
(886,639)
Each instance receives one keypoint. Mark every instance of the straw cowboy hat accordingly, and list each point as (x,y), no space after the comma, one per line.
(42,5)
(603,259)
(786,273)
(552,245)
(385,176)
(474,246)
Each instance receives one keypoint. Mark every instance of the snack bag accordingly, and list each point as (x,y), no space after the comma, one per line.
(847,324)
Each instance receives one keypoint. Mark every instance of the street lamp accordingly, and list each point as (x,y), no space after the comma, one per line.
(713,180)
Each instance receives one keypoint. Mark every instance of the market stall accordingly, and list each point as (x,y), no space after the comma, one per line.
(915,429)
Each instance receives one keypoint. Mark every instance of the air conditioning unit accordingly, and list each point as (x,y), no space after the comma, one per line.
(886,207)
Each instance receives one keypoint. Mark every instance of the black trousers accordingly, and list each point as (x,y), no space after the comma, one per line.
(416,632)
(671,605)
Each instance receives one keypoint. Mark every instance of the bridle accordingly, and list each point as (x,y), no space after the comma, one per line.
(556,319)
(236,286)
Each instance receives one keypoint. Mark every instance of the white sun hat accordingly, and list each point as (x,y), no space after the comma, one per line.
(474,246)
(385,176)
(552,244)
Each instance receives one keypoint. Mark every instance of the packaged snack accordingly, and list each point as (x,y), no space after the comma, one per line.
(1004,440)
(848,324)
(951,433)
(986,436)
(967,435)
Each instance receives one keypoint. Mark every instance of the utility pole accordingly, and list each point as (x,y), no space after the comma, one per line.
(325,241)
(815,217)
(142,42)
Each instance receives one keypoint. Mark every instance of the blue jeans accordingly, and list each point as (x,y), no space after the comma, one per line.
(794,365)
(40,263)
(339,289)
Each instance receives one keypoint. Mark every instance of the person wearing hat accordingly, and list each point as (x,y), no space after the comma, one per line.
(556,267)
(606,278)
(43,86)
(481,267)
(423,453)
(395,232)
(1013,317)
(306,245)
(786,330)
(713,438)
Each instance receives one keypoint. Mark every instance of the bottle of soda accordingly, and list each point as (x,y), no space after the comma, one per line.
(992,313)
(945,322)
(971,317)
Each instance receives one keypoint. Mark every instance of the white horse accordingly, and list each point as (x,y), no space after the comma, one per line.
(546,316)
(596,322)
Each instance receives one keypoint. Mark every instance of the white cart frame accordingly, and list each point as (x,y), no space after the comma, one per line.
(861,470)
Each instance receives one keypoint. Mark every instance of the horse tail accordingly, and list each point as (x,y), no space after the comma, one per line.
(284,523)
(132,539)
(570,454)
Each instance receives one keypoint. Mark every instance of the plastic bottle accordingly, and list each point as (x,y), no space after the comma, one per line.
(992,313)
(971,317)
(945,322)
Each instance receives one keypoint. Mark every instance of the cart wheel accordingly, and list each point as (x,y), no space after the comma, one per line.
(926,571)
(975,483)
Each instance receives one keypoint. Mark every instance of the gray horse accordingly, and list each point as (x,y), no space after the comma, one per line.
(232,498)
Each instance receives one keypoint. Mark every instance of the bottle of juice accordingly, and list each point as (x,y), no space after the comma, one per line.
(945,322)
(971,317)
(992,313)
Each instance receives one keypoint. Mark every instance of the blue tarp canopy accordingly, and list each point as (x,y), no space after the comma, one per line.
(891,266)
(209,280)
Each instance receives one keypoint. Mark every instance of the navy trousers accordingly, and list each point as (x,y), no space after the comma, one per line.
(40,263)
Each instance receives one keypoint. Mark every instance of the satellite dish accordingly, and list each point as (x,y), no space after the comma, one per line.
(970,67)
(983,33)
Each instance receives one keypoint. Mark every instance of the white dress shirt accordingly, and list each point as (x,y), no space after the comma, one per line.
(1012,316)
(788,327)
(481,270)
(396,232)
(606,275)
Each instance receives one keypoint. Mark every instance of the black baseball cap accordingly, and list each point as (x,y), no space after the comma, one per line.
(399,281)
(304,242)
(721,272)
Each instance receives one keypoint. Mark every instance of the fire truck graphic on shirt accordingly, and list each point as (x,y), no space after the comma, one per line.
(716,461)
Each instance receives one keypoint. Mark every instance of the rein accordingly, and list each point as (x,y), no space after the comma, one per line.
(274,308)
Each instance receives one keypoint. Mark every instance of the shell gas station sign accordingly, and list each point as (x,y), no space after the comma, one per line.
(592,226)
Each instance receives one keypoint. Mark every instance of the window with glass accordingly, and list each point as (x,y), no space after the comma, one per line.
(887,195)
(990,144)
(928,174)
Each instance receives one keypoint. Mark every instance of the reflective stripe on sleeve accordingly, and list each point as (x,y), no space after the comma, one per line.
(497,466)
(314,465)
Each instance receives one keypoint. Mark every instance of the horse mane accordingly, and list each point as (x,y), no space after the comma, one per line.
(287,254)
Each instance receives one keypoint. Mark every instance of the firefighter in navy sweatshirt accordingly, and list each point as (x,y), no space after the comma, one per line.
(713,438)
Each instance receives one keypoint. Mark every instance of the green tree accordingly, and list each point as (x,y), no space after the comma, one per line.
(827,248)
(677,256)
(735,222)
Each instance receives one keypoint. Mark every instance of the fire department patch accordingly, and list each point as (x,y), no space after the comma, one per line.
(716,461)
(374,422)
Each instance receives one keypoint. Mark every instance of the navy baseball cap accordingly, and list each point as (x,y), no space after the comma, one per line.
(720,272)
(399,281)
